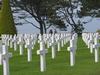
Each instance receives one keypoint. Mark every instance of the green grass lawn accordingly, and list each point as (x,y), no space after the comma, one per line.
(84,65)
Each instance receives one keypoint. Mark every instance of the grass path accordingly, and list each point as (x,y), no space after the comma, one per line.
(84,65)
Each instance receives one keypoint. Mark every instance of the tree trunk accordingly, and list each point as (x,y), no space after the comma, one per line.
(45,30)
(41,28)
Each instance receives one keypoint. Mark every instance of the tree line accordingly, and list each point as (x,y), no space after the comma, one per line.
(59,13)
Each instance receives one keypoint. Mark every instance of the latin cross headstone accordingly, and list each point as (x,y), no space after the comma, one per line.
(72,48)
(91,43)
(5,59)
(11,43)
(15,42)
(21,43)
(29,49)
(62,41)
(59,47)
(0,51)
(42,52)
(53,47)
(96,47)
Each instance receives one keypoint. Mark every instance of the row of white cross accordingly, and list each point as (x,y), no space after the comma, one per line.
(92,41)
(9,40)
(28,41)
(52,41)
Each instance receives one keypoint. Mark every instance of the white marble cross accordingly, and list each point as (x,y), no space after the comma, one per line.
(42,52)
(72,48)
(0,51)
(53,47)
(96,47)
(11,43)
(59,45)
(48,40)
(62,41)
(5,39)
(21,43)
(5,59)
(72,53)
(90,43)
(15,42)
(29,49)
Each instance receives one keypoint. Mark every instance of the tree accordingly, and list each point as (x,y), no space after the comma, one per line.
(7,25)
(91,8)
(69,11)
(43,12)
(98,31)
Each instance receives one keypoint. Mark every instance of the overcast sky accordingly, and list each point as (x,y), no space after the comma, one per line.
(89,27)
(93,25)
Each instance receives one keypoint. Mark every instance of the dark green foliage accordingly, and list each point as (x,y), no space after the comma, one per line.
(91,4)
(89,7)
(98,31)
(7,25)
(66,11)
(0,5)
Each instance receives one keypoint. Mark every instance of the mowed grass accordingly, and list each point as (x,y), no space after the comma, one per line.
(84,64)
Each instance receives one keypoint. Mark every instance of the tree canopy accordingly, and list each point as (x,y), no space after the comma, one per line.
(43,12)
(60,13)
(91,7)
(7,25)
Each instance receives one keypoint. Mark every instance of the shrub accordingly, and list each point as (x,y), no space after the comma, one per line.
(7,25)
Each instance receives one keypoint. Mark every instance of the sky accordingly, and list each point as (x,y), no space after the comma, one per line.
(93,26)
(89,27)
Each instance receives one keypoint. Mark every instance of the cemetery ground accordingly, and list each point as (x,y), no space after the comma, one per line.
(84,62)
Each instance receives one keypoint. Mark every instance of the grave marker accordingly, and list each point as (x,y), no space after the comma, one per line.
(5,59)
(96,47)
(21,43)
(29,49)
(72,48)
(53,46)
(42,52)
